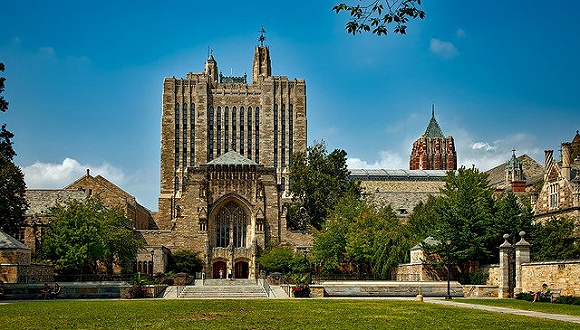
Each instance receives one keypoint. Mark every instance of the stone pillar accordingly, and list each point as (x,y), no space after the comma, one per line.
(522,256)
(504,268)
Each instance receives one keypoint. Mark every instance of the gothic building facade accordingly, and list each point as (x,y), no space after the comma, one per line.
(225,147)
(433,151)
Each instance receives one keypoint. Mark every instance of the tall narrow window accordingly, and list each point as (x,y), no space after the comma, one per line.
(177,118)
(219,131)
(249,132)
(192,135)
(290,132)
(283,136)
(257,139)
(184,138)
(210,134)
(226,129)
(554,194)
(275,135)
(240,225)
(223,228)
(241,130)
(234,116)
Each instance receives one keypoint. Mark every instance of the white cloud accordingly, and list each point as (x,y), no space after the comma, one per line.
(482,146)
(388,160)
(51,176)
(460,33)
(443,49)
(46,51)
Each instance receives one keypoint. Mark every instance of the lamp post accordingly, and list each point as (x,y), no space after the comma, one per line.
(447,248)
(151,268)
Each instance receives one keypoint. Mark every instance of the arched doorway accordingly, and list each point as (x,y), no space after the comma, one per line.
(217,266)
(241,269)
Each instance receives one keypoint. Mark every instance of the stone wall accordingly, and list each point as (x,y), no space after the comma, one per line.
(562,275)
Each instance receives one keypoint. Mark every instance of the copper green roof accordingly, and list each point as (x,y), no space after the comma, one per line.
(513,163)
(231,158)
(433,130)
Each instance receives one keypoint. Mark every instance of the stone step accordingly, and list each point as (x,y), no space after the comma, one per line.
(239,290)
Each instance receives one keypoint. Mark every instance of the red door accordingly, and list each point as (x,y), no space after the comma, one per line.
(217,266)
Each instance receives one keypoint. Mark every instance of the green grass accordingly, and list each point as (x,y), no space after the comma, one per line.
(257,314)
(545,307)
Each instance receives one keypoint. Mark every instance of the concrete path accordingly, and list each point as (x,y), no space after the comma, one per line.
(557,317)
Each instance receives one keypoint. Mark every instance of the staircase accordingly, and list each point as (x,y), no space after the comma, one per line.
(224,289)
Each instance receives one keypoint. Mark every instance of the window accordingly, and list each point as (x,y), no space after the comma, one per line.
(290,132)
(554,187)
(234,128)
(283,136)
(249,132)
(231,216)
(177,135)
(241,130)
(257,140)
(210,134)
(192,135)
(184,128)
(219,131)
(275,135)
(226,129)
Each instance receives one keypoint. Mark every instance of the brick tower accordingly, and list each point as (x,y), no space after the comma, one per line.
(433,151)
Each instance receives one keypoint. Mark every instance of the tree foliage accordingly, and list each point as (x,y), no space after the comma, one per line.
(186,262)
(13,203)
(470,218)
(555,239)
(379,15)
(362,236)
(83,234)
(317,181)
(283,259)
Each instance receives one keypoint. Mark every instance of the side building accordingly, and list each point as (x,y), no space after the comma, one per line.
(560,193)
(432,150)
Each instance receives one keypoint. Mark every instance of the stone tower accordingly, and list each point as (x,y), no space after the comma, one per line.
(433,151)
(225,147)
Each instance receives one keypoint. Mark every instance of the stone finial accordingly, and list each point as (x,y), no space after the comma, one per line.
(522,239)
(506,244)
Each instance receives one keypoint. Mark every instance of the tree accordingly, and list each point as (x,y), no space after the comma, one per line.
(471,218)
(317,181)
(186,262)
(555,239)
(83,234)
(13,204)
(378,14)
(361,235)
(283,259)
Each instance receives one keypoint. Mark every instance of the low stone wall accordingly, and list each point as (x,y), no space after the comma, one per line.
(562,275)
(479,291)
(69,290)
(151,291)
(390,289)
(18,273)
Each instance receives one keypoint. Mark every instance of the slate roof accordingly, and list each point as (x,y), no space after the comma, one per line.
(433,130)
(397,175)
(232,158)
(533,172)
(9,242)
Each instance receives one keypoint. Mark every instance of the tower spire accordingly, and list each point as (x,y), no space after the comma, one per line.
(262,36)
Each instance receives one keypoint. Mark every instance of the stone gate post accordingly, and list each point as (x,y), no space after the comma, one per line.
(522,255)
(504,268)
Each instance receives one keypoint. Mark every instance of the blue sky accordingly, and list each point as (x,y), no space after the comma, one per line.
(84,79)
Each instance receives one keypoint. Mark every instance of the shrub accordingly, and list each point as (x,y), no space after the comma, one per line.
(301,290)
(568,300)
(524,296)
(137,290)
(186,262)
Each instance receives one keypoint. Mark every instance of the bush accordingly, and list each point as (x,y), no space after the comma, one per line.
(301,290)
(476,278)
(186,262)
(568,300)
(525,296)
(137,290)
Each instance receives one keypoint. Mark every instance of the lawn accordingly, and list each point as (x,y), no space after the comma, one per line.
(257,314)
(526,305)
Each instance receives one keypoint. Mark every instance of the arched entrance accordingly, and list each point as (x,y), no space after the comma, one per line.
(241,269)
(217,266)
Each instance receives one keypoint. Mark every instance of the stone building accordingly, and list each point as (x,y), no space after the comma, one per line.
(519,175)
(402,189)
(433,151)
(225,147)
(560,193)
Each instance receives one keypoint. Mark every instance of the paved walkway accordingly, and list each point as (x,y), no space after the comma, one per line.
(558,317)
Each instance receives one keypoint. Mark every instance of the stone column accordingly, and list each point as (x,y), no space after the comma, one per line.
(504,268)
(522,255)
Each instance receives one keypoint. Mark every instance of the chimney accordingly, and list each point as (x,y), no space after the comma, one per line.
(566,161)
(549,158)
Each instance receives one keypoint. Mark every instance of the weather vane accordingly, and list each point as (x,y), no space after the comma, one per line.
(262,37)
